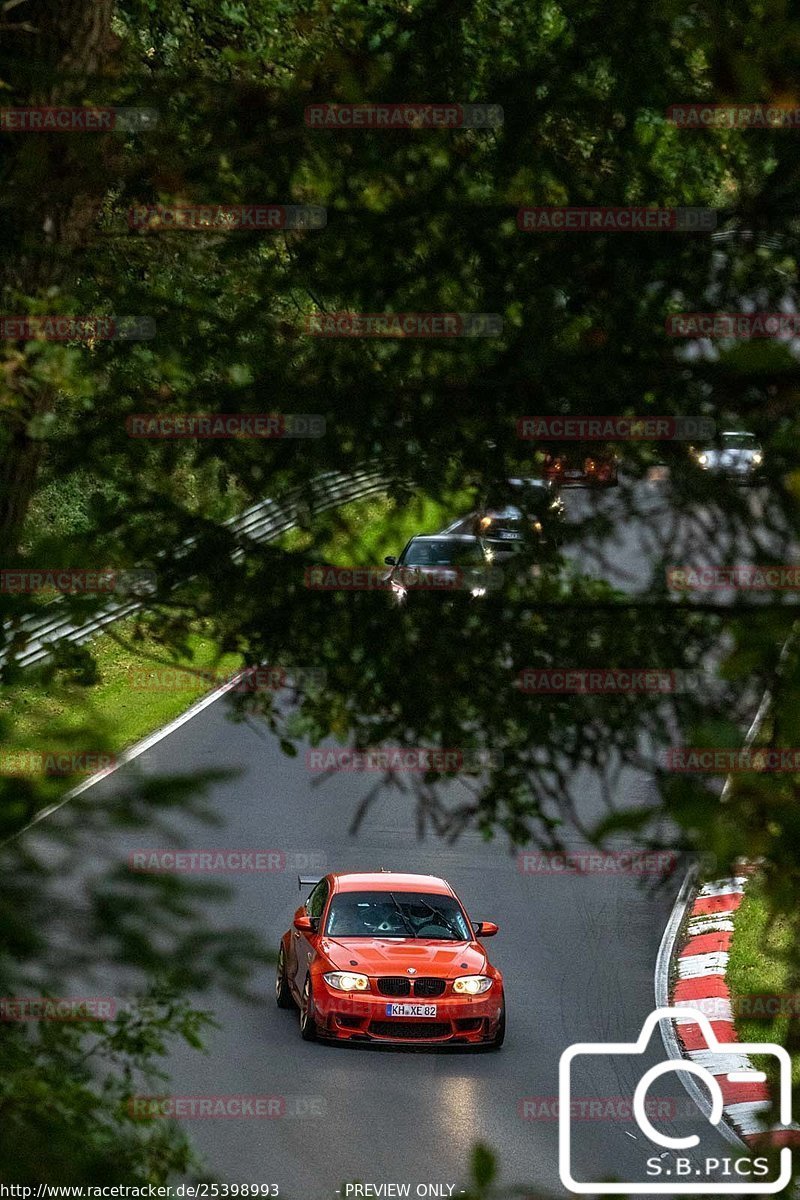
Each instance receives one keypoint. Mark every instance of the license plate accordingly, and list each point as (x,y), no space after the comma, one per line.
(573,474)
(411,1010)
(507,533)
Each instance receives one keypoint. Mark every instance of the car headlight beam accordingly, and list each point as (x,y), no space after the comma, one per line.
(472,985)
(346,981)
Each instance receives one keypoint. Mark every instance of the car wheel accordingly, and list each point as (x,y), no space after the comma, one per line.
(500,1035)
(308,1026)
(283,993)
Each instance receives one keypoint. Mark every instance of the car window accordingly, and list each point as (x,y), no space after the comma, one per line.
(739,441)
(442,554)
(528,499)
(396,915)
(315,904)
(418,555)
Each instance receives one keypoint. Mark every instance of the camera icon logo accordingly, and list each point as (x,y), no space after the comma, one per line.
(694,1186)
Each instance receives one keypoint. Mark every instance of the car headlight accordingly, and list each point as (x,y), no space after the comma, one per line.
(536,526)
(703,460)
(485,522)
(345,981)
(472,985)
(758,458)
(399,592)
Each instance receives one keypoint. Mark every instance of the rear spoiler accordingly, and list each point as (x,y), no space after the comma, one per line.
(308,880)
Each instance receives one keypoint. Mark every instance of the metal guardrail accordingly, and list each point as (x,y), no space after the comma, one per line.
(262,522)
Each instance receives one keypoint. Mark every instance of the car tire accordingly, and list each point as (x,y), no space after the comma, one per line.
(283,994)
(308,1026)
(500,1036)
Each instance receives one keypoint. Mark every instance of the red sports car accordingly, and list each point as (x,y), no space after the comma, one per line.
(390,957)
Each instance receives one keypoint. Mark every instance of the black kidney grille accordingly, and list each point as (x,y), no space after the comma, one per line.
(394,985)
(410,1030)
(429,987)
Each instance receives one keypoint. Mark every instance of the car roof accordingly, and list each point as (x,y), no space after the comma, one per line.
(524,483)
(390,881)
(444,537)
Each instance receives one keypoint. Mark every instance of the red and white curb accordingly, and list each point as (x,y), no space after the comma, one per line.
(701,984)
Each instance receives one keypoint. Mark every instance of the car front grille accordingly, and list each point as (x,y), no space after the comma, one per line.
(394,985)
(398,985)
(429,987)
(410,1030)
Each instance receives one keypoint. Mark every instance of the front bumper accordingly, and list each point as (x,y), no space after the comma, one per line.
(735,474)
(459,1019)
(565,479)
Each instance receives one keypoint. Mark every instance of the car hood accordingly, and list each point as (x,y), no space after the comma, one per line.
(445,571)
(393,956)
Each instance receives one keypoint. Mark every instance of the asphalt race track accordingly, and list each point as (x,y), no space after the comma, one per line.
(578,954)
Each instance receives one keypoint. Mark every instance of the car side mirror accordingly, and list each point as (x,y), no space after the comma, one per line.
(485,929)
(304,923)
(390,560)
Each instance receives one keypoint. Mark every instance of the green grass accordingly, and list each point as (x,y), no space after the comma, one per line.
(759,964)
(43,710)
(363,532)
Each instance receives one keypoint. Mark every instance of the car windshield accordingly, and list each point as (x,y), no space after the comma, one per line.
(739,441)
(578,452)
(396,915)
(442,554)
(533,500)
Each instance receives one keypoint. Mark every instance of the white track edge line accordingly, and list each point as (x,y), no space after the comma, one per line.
(126,756)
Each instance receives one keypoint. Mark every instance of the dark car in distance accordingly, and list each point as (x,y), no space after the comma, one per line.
(736,455)
(520,514)
(594,464)
(442,562)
